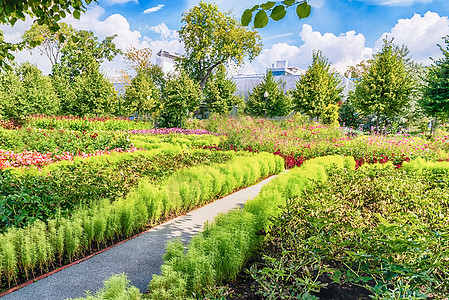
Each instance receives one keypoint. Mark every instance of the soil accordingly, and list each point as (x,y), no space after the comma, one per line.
(244,287)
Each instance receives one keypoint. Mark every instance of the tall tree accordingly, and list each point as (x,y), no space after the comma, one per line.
(318,88)
(212,38)
(385,89)
(275,11)
(46,41)
(268,99)
(139,61)
(435,98)
(219,93)
(180,96)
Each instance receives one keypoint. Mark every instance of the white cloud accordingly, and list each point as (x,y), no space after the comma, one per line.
(164,31)
(396,2)
(153,9)
(343,50)
(420,34)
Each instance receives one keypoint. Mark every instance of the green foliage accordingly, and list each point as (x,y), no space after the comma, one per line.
(358,229)
(48,42)
(11,100)
(277,12)
(219,93)
(275,105)
(142,96)
(180,96)
(435,99)
(386,87)
(107,221)
(349,116)
(317,89)
(39,95)
(212,38)
(330,115)
(221,250)
(117,287)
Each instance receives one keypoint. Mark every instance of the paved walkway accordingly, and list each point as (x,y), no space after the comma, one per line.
(139,258)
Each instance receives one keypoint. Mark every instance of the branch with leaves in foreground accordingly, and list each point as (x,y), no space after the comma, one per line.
(274,11)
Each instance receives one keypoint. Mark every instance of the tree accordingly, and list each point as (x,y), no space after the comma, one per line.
(317,89)
(358,70)
(77,79)
(275,104)
(48,42)
(11,101)
(84,51)
(435,98)
(139,61)
(212,38)
(219,93)
(38,92)
(386,87)
(44,12)
(277,12)
(180,96)
(142,96)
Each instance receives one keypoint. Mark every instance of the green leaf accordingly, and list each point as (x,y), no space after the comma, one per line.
(255,7)
(268,5)
(75,39)
(303,10)
(77,14)
(246,17)
(261,19)
(289,2)
(278,13)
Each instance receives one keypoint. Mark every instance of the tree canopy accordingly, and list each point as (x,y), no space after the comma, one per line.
(386,87)
(435,98)
(212,38)
(318,88)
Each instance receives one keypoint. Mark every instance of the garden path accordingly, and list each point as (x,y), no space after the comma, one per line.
(139,258)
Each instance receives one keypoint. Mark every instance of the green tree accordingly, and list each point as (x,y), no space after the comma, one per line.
(317,89)
(385,89)
(11,100)
(46,41)
(435,92)
(38,95)
(80,65)
(139,61)
(44,12)
(94,95)
(212,38)
(275,11)
(180,96)
(219,93)
(275,104)
(142,96)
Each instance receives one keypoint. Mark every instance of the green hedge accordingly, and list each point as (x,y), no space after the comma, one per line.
(39,245)
(221,250)
(182,140)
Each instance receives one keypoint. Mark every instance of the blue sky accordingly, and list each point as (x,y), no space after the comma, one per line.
(346,31)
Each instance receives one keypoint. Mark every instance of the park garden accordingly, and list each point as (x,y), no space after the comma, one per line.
(362,213)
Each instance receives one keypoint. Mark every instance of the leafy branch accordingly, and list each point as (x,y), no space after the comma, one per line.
(274,11)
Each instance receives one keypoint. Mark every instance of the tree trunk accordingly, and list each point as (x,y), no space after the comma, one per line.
(377,121)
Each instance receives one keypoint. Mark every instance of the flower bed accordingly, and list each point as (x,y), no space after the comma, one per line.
(172,131)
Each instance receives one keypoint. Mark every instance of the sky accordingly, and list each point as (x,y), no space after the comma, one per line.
(346,32)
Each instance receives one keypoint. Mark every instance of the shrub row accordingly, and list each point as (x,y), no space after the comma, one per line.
(35,248)
(221,250)
(84,124)
(60,141)
(42,195)
(186,141)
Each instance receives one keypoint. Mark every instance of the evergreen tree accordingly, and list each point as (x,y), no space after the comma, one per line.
(219,93)
(276,104)
(317,89)
(435,98)
(142,96)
